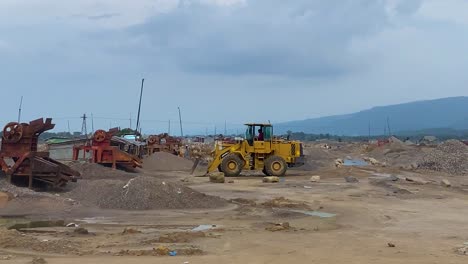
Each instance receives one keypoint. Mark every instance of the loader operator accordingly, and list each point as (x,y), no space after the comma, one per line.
(260,134)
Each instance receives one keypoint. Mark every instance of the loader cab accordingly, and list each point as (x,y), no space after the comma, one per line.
(253,132)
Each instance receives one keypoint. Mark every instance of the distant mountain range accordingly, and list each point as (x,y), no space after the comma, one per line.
(446,113)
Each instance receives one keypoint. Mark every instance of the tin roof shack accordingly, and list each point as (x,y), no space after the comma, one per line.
(134,147)
(62,148)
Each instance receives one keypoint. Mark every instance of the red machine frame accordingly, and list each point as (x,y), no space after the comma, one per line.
(19,145)
(102,151)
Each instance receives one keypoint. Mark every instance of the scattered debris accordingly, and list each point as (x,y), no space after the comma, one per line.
(180,237)
(282,202)
(315,178)
(130,231)
(351,179)
(72,225)
(372,161)
(271,179)
(278,227)
(162,251)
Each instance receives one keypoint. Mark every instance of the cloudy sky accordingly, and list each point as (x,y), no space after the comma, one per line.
(234,60)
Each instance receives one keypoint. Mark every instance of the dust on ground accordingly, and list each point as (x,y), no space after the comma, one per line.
(393,213)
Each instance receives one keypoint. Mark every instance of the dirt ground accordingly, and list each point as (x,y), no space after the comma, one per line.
(382,218)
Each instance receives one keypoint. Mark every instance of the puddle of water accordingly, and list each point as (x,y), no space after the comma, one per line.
(316,213)
(96,220)
(203,228)
(354,162)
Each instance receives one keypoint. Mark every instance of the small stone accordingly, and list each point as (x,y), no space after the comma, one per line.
(278,227)
(463,251)
(446,183)
(339,163)
(81,231)
(231,181)
(38,260)
(271,179)
(393,178)
(217,178)
(7,257)
(315,178)
(391,245)
(351,179)
(162,251)
(416,180)
(130,231)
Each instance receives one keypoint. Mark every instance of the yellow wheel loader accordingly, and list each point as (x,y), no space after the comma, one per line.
(258,151)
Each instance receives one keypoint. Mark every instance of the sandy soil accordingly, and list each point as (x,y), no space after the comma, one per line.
(426,223)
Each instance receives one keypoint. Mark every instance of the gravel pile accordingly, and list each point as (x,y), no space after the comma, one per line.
(163,161)
(16,191)
(96,171)
(450,157)
(141,193)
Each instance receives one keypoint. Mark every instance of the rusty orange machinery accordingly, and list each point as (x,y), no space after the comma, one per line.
(163,142)
(21,161)
(103,152)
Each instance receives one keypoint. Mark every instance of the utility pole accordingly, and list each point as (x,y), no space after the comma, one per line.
(169,127)
(69,132)
(369,131)
(215,131)
(84,130)
(180,121)
(388,125)
(130,121)
(19,110)
(139,106)
(92,123)
(225,128)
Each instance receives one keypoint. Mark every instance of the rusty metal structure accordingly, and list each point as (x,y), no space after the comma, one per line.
(106,149)
(21,161)
(163,142)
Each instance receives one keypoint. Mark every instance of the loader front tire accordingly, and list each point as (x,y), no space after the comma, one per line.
(275,166)
(232,165)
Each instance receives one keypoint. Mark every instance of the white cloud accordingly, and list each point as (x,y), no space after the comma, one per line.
(455,11)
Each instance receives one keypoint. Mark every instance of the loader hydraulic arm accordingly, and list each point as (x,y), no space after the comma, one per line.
(218,156)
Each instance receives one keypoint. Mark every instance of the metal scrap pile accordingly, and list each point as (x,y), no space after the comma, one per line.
(450,157)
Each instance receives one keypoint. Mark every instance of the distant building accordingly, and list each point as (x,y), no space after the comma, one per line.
(62,148)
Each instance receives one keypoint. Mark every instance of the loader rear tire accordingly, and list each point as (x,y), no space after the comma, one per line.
(275,166)
(232,165)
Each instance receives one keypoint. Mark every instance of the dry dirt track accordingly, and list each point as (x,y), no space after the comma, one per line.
(426,223)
